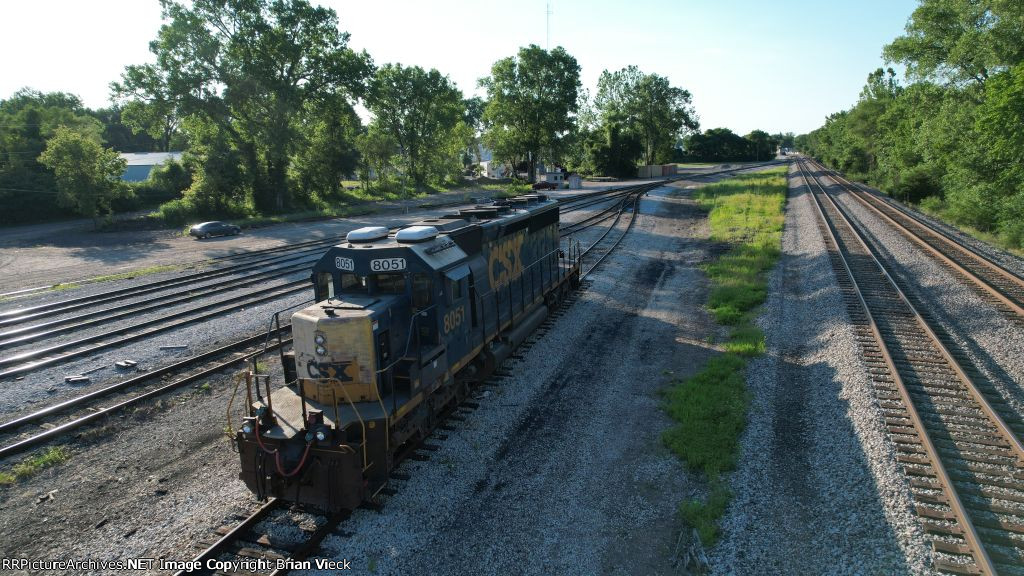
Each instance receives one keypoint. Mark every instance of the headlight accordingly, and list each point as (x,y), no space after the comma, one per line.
(320,435)
(319,339)
(321,350)
(247,429)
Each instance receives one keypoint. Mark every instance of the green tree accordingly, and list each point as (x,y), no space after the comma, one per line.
(27,120)
(649,107)
(379,151)
(613,149)
(531,103)
(762,144)
(250,67)
(718,145)
(421,112)
(328,152)
(88,176)
(221,185)
(147,104)
(960,41)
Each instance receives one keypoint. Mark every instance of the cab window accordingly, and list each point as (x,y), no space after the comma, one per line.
(390,283)
(421,290)
(324,286)
(352,284)
(454,290)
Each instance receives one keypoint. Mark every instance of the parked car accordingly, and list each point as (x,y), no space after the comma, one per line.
(207,229)
(545,186)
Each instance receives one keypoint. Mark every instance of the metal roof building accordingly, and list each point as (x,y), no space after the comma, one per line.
(141,163)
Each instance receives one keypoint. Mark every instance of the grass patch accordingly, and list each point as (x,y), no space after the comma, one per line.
(710,411)
(114,277)
(34,464)
(696,165)
(510,190)
(710,408)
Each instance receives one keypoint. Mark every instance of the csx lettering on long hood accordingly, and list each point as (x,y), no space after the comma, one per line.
(506,260)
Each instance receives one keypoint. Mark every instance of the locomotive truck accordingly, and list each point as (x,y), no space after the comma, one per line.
(404,324)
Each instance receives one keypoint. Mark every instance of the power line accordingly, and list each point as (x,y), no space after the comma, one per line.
(28,190)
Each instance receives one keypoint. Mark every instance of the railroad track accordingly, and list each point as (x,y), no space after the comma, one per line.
(957,444)
(613,210)
(251,547)
(39,426)
(64,417)
(33,359)
(991,280)
(57,333)
(246,261)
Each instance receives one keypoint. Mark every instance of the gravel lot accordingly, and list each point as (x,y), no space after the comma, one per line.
(817,490)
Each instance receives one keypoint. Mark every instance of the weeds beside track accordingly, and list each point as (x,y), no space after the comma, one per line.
(746,214)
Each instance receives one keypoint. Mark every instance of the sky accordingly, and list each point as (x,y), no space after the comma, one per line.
(778,66)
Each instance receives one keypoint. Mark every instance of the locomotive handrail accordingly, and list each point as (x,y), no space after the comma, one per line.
(554,256)
(408,339)
(337,417)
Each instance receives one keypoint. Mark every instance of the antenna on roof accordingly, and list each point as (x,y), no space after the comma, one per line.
(547,24)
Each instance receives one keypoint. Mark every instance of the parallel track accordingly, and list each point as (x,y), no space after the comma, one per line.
(992,280)
(30,360)
(86,403)
(83,410)
(964,463)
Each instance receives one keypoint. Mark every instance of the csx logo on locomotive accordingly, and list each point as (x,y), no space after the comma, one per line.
(506,260)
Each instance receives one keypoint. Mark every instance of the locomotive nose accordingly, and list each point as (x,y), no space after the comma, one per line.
(335,352)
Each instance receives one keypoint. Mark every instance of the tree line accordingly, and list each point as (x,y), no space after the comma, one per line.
(262,94)
(949,137)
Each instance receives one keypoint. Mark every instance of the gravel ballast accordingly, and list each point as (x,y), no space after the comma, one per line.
(817,490)
(157,480)
(1011,262)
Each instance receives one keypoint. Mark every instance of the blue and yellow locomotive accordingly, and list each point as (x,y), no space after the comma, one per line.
(404,323)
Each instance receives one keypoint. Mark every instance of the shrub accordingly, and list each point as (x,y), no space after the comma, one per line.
(933,205)
(177,212)
(917,184)
(973,205)
(1011,220)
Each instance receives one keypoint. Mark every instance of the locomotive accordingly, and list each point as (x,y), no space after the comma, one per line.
(404,324)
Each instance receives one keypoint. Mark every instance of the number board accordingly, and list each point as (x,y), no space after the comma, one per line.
(343,263)
(387,265)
